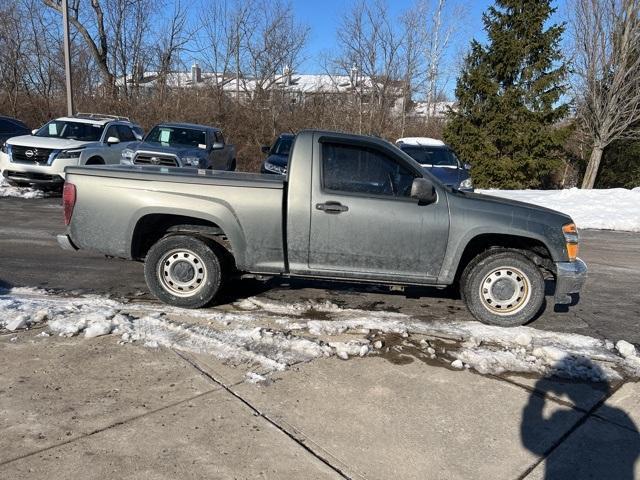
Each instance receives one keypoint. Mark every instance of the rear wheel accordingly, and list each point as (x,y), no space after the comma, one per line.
(503,287)
(232,167)
(183,271)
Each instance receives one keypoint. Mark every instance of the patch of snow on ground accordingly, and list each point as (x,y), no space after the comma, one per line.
(604,209)
(7,190)
(263,335)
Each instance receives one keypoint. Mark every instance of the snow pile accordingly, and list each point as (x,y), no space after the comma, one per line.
(273,335)
(93,316)
(606,209)
(7,190)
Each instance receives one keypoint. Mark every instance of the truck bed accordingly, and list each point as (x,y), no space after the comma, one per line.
(112,202)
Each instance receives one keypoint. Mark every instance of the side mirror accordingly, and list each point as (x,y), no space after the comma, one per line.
(113,140)
(422,189)
(34,131)
(217,146)
(467,166)
(265,148)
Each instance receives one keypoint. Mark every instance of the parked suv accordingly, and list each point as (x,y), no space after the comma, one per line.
(182,145)
(277,155)
(438,159)
(83,139)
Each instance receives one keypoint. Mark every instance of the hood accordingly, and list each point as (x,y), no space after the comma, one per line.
(450,176)
(47,142)
(490,200)
(279,160)
(178,151)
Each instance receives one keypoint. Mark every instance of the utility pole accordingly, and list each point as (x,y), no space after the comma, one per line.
(67,56)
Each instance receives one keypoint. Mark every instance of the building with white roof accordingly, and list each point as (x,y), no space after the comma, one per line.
(297,86)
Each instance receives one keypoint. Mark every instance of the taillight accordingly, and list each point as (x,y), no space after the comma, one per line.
(68,201)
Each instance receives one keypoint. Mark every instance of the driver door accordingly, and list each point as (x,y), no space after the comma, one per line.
(364,222)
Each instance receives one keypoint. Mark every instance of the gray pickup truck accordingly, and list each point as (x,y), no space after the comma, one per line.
(351,208)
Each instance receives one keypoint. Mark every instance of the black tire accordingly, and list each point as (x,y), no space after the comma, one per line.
(184,271)
(95,161)
(232,168)
(512,290)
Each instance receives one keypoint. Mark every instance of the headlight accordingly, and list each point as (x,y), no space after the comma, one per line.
(126,157)
(275,168)
(4,148)
(466,184)
(191,161)
(69,154)
(572,239)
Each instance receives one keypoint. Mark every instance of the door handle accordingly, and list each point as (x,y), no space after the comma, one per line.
(332,207)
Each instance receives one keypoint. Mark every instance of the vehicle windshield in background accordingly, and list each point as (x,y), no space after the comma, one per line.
(173,136)
(432,156)
(87,132)
(282,146)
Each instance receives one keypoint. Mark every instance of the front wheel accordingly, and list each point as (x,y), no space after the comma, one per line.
(183,271)
(503,287)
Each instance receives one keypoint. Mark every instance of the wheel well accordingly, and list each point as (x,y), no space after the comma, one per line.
(532,248)
(95,161)
(152,228)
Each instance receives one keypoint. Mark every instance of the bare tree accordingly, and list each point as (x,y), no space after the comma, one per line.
(128,25)
(12,54)
(438,31)
(414,38)
(172,41)
(273,42)
(93,30)
(370,43)
(607,69)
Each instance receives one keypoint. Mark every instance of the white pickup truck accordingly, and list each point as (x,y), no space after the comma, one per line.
(84,139)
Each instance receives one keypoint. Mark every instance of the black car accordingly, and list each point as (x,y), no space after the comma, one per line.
(11,127)
(278,157)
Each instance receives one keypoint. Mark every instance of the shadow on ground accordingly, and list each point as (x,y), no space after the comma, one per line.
(593,448)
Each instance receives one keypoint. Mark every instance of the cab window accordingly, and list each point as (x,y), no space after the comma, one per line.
(112,131)
(355,169)
(126,134)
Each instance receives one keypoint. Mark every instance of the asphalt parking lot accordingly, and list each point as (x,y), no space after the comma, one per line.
(94,408)
(609,306)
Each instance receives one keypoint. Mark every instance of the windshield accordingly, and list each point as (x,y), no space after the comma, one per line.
(87,132)
(432,156)
(172,136)
(282,146)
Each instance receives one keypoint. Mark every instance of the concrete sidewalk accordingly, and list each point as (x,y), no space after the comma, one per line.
(72,408)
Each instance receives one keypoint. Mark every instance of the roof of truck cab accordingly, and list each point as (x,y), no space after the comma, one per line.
(187,125)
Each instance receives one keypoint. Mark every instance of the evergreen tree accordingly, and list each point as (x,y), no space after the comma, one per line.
(509,98)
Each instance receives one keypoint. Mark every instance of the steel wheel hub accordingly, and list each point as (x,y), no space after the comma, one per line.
(505,291)
(182,273)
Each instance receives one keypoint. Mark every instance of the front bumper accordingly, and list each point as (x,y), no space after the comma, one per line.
(33,178)
(570,277)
